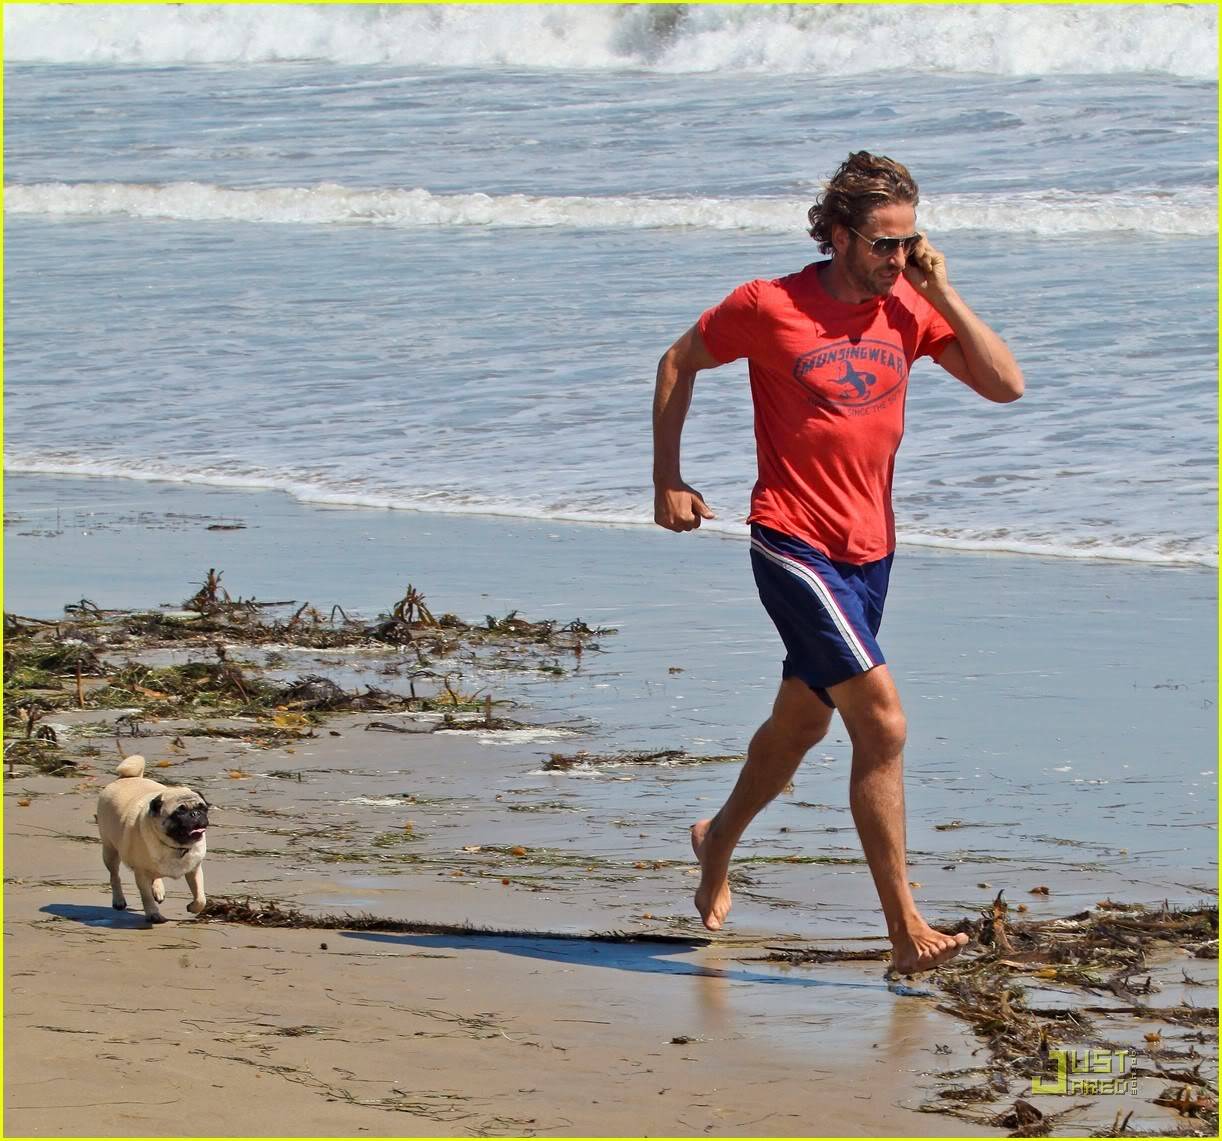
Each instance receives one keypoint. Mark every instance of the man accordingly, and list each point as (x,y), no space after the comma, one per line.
(829,349)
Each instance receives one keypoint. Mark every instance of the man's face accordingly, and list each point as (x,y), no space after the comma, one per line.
(867,273)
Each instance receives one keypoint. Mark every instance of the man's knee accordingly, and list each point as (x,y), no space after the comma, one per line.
(788,738)
(881,735)
(799,718)
(803,738)
(870,708)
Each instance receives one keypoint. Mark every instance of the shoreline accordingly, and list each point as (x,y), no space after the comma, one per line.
(718,528)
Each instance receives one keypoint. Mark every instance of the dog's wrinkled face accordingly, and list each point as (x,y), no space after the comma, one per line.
(183,816)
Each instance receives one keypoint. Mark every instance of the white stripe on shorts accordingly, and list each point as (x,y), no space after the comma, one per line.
(825,596)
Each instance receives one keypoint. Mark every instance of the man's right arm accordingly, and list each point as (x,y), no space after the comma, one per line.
(677,507)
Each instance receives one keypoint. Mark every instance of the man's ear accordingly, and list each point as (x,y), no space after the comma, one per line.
(840,238)
(155,805)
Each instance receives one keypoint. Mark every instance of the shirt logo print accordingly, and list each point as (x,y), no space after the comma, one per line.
(853,374)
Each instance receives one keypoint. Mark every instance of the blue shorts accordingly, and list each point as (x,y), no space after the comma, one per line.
(827,613)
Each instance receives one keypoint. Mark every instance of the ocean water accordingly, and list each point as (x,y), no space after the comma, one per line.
(427,257)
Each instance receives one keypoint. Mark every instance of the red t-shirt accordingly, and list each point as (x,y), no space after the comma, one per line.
(828,380)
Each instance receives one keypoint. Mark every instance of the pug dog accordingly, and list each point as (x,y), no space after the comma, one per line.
(155,830)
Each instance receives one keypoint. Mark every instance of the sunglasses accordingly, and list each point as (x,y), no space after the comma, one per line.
(885,247)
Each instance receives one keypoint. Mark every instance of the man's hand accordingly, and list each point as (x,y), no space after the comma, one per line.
(926,270)
(977,356)
(676,506)
(679,508)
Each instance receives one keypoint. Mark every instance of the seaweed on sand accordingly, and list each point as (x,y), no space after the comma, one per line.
(212,612)
(266,913)
(98,659)
(1099,952)
(559,762)
(42,754)
(1106,955)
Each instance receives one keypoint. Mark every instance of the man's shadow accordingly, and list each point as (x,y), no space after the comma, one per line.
(642,955)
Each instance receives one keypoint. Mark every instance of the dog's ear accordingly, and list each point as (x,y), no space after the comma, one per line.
(155,805)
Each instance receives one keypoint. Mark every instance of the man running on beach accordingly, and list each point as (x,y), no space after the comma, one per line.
(829,349)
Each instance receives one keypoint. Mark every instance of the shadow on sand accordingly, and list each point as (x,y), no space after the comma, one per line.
(92,916)
(652,958)
(661,958)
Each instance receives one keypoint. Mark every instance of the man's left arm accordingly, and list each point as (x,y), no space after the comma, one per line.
(977,356)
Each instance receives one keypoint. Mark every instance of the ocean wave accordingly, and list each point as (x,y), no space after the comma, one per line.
(1050,213)
(1167,551)
(830,39)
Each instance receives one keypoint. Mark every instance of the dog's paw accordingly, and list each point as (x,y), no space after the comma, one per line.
(159,891)
(158,918)
(119,904)
(196,906)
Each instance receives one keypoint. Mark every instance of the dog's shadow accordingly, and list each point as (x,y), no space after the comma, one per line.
(94,916)
(645,956)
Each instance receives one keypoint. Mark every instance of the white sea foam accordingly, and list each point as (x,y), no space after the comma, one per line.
(1052,213)
(1162,551)
(829,39)
(512,736)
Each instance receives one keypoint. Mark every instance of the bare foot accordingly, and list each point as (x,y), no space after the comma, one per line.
(713,894)
(923,949)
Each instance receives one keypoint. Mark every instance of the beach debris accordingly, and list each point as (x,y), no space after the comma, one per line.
(825,955)
(1020,1114)
(1104,955)
(410,611)
(269,913)
(560,762)
(995,931)
(211,596)
(1025,1120)
(1119,1126)
(115,662)
(1187,1101)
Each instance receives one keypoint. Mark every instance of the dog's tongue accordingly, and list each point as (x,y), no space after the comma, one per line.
(196,833)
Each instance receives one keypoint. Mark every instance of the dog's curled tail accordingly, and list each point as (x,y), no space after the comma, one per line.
(132,766)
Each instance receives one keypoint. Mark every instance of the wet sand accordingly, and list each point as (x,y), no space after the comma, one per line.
(213,1028)
(1044,721)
